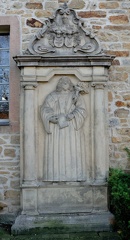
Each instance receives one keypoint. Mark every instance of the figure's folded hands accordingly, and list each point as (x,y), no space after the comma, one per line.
(54,119)
(70,116)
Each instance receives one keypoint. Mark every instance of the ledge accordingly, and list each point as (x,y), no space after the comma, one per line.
(52,61)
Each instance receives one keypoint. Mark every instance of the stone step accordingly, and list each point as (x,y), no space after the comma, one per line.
(4,235)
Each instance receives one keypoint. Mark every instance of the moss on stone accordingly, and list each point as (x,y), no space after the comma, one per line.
(5,235)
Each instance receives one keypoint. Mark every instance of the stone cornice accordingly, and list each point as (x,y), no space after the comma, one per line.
(53,61)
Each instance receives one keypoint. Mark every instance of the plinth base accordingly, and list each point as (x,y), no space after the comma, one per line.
(63,223)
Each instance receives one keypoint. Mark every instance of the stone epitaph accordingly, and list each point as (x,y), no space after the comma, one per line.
(63,113)
(64,146)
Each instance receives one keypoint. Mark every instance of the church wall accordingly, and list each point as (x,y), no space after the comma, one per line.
(110,22)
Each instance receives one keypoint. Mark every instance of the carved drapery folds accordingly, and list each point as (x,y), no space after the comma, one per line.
(63,114)
(63,34)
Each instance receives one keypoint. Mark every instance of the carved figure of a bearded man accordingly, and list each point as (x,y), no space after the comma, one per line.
(63,114)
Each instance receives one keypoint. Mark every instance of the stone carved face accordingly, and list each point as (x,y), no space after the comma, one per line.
(64,84)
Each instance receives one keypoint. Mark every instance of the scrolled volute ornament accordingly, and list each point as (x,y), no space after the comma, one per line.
(64,34)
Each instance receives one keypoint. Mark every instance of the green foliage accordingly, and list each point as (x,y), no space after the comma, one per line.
(128,152)
(119,185)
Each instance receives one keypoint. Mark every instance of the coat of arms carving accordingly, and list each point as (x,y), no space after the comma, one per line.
(64,34)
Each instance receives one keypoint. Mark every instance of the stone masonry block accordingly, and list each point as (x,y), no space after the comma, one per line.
(108,5)
(92,14)
(51,5)
(77,4)
(122,113)
(15,139)
(120,19)
(34,5)
(9,152)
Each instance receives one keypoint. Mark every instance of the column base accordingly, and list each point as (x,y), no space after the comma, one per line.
(62,223)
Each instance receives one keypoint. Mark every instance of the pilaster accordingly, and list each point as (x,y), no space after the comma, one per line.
(100,136)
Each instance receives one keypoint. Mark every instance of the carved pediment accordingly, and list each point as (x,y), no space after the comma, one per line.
(64,35)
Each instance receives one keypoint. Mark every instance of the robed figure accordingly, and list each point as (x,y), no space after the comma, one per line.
(63,114)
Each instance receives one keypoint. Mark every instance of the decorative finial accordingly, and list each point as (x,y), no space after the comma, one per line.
(65,5)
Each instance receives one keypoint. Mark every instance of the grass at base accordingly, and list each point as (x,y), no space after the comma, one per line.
(5,235)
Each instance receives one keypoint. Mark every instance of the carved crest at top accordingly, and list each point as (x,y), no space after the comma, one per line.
(64,35)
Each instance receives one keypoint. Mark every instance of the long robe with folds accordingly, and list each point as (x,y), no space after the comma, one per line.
(64,148)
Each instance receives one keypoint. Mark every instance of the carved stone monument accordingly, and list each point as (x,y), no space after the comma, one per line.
(64,145)
(63,114)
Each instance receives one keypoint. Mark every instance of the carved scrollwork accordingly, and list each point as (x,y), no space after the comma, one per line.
(63,34)
(98,85)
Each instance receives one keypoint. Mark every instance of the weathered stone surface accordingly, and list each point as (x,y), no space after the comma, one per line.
(17,5)
(115,46)
(115,62)
(16,174)
(59,222)
(96,27)
(26,15)
(25,30)
(3,180)
(8,164)
(1,149)
(117,155)
(126,97)
(92,14)
(123,120)
(13,194)
(119,77)
(113,122)
(126,45)
(15,184)
(51,5)
(116,139)
(8,152)
(119,53)
(118,97)
(121,113)
(55,44)
(77,4)
(120,19)
(34,5)
(107,37)
(18,12)
(2,141)
(117,11)
(4,172)
(63,1)
(125,5)
(110,97)
(108,5)
(117,27)
(2,205)
(125,139)
(124,131)
(43,14)
(128,104)
(6,137)
(32,22)
(120,104)
(1,196)
(15,139)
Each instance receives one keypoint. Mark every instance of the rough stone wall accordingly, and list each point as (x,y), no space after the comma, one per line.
(110,20)
(9,173)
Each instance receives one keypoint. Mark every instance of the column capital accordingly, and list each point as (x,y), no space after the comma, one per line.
(98,85)
(29,86)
